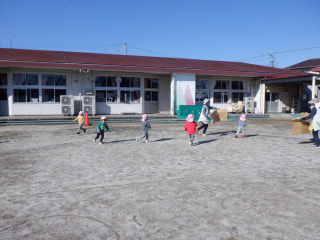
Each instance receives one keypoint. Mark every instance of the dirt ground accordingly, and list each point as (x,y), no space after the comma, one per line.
(56,184)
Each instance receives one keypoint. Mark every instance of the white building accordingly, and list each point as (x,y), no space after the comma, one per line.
(34,82)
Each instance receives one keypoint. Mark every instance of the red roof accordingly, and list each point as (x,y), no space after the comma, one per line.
(95,61)
(310,63)
(316,69)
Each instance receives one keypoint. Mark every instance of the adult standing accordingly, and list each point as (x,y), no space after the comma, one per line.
(315,112)
(204,116)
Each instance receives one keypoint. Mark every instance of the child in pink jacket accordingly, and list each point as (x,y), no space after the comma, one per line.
(190,127)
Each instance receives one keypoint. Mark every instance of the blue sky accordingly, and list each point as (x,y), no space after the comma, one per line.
(228,30)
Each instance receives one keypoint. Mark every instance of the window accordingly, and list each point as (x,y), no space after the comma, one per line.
(130,90)
(238,85)
(130,82)
(108,89)
(27,87)
(151,86)
(202,84)
(22,79)
(3,79)
(202,91)
(229,90)
(151,96)
(237,96)
(3,87)
(101,96)
(127,96)
(220,97)
(53,86)
(112,95)
(222,84)
(101,81)
(200,96)
(3,94)
(26,95)
(53,80)
(151,83)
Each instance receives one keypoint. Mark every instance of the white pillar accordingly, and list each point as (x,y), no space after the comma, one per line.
(172,94)
(313,87)
(263,98)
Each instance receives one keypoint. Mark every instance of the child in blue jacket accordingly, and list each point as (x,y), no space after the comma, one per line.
(241,126)
(145,126)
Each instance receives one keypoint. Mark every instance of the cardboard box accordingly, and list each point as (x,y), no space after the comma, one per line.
(300,127)
(219,115)
(223,115)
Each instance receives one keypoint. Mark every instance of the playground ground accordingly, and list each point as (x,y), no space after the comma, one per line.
(56,184)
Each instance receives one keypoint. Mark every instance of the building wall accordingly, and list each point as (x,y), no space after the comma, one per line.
(79,84)
(182,89)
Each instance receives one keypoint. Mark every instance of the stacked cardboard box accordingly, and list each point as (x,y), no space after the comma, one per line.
(301,127)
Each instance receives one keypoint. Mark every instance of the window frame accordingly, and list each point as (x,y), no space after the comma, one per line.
(34,93)
(119,89)
(151,89)
(3,86)
(202,90)
(230,92)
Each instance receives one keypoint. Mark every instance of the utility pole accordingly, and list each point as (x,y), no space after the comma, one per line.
(11,35)
(271,59)
(125,48)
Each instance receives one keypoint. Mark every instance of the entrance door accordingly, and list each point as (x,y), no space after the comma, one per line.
(151,102)
(272,102)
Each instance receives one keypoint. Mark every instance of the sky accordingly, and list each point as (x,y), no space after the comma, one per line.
(252,31)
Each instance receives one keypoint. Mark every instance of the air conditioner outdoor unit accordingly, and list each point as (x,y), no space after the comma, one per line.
(89,104)
(67,105)
(249,104)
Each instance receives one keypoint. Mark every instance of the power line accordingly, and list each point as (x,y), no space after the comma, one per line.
(150,51)
(296,50)
(267,54)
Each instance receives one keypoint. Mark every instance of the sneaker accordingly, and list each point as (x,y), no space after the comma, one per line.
(147,141)
(94,140)
(244,135)
(236,136)
(84,130)
(190,143)
(100,143)
(78,133)
(137,140)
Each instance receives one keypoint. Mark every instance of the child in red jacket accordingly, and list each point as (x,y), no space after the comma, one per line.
(190,127)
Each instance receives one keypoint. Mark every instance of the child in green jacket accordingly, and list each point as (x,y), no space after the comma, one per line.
(100,129)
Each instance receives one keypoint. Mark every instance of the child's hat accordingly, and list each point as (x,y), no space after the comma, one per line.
(243,117)
(205,101)
(190,118)
(81,112)
(144,117)
(103,118)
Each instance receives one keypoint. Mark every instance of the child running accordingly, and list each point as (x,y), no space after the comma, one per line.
(100,129)
(190,127)
(241,126)
(80,119)
(145,125)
